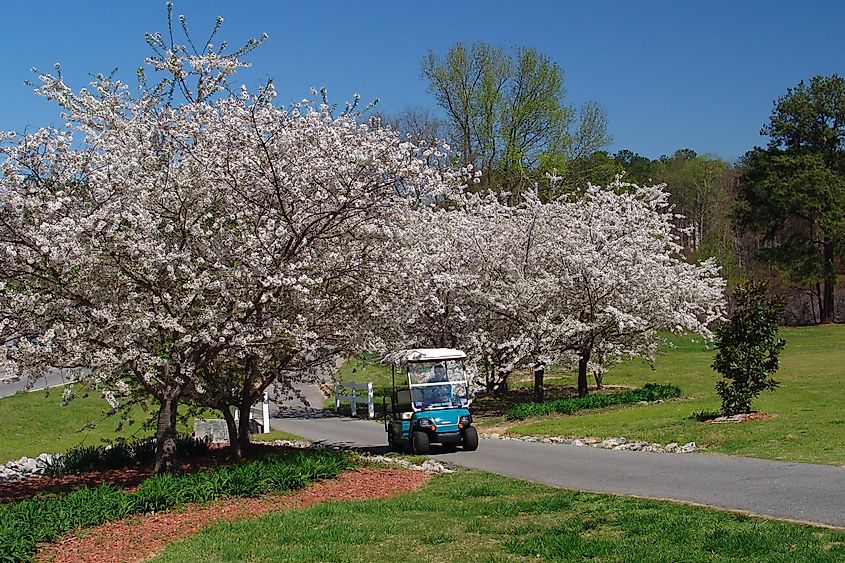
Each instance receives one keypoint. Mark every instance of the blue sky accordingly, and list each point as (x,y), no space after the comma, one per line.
(675,74)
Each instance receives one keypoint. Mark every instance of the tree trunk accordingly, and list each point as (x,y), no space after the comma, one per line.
(243,424)
(232,427)
(598,376)
(583,360)
(502,387)
(165,460)
(539,390)
(829,284)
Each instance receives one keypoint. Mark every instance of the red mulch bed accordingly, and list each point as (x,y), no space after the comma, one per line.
(127,478)
(140,537)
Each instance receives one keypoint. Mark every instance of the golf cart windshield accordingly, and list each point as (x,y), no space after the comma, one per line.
(438,384)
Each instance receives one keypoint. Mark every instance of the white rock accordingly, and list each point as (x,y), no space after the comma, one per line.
(671,447)
(578,443)
(688,447)
(613,442)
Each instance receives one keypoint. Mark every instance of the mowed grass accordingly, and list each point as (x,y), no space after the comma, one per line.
(472,516)
(808,410)
(37,422)
(365,369)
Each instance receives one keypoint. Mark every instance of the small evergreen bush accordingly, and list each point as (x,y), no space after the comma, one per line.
(748,348)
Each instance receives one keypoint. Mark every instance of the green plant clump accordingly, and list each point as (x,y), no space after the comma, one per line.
(25,524)
(749,347)
(649,392)
(122,454)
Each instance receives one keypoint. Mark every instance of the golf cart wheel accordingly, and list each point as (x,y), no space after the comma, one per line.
(420,443)
(469,438)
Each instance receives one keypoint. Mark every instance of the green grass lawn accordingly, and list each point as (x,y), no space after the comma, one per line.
(472,516)
(365,369)
(36,422)
(808,410)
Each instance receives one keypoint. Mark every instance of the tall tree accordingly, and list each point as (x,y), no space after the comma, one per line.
(793,191)
(506,110)
(199,241)
(638,169)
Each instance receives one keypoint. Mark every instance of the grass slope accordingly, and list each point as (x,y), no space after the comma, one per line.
(809,407)
(472,516)
(37,422)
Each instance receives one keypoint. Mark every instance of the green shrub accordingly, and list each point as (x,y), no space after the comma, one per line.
(748,348)
(649,392)
(25,524)
(121,454)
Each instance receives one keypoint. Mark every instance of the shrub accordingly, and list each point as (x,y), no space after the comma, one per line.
(748,348)
(649,392)
(25,524)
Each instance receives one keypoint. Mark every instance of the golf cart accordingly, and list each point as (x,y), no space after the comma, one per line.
(430,401)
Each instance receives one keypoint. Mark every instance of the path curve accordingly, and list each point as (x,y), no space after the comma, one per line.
(796,491)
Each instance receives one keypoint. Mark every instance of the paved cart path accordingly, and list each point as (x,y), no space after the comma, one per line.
(806,492)
(53,378)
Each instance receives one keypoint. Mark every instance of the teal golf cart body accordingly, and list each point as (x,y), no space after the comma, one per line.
(429,403)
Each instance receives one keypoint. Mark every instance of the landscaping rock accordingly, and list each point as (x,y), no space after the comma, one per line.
(611,443)
(26,467)
(429,465)
(619,443)
(688,447)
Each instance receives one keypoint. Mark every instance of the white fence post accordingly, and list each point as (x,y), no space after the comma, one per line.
(265,408)
(336,396)
(353,402)
(371,407)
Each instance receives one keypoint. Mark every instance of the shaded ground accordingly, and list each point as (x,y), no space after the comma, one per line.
(489,406)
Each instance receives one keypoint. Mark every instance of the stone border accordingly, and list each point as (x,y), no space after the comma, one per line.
(619,444)
(27,467)
(429,465)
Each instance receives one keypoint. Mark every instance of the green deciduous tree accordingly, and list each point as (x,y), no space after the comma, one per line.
(506,111)
(748,348)
(793,192)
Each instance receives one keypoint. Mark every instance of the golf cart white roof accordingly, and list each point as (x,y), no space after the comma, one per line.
(425,355)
